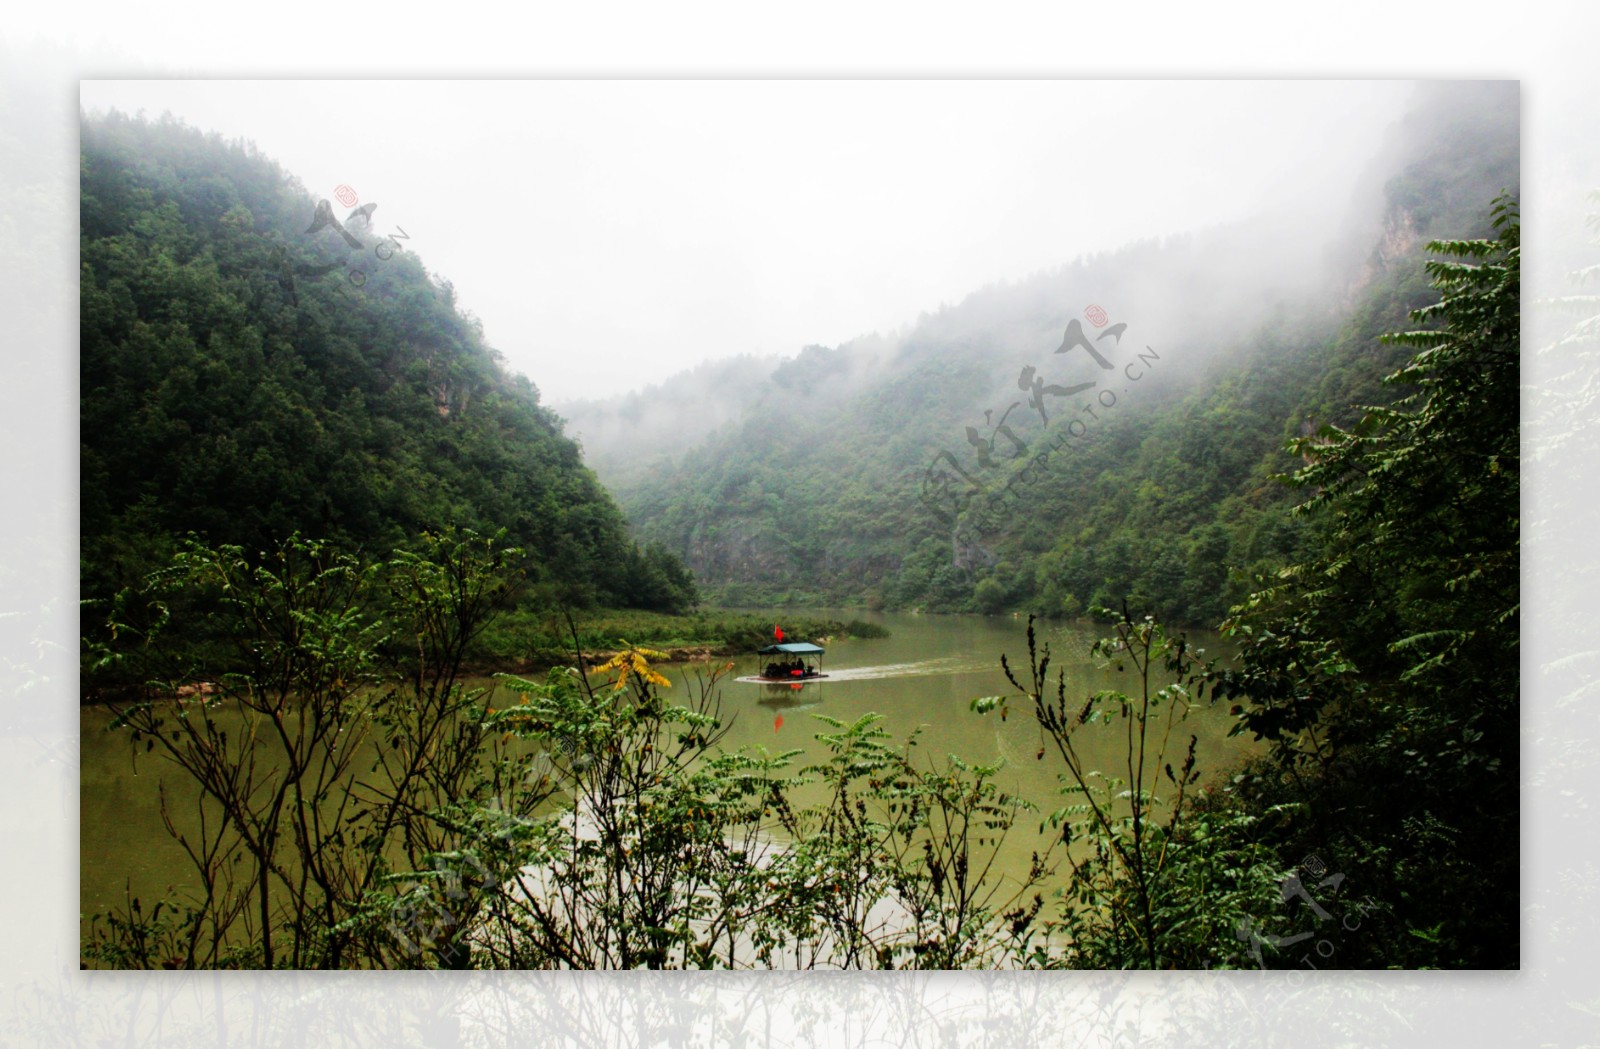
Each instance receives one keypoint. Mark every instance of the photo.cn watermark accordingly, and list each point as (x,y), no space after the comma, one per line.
(974,495)
(1320,942)
(359,219)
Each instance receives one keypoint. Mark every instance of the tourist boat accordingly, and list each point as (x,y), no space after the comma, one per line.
(790,662)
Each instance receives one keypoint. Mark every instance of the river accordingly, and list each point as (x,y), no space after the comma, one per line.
(924,675)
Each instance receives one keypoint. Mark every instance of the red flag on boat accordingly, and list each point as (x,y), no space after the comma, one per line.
(777,632)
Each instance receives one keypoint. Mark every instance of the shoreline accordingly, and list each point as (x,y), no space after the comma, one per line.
(703,652)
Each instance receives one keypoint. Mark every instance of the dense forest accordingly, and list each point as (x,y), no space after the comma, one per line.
(250,372)
(892,470)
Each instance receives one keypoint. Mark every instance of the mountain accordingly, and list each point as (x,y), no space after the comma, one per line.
(254,366)
(1106,429)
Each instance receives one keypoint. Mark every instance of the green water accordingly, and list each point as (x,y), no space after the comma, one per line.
(923,675)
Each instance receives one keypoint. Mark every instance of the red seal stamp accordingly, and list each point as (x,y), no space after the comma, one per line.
(348,198)
(1096,316)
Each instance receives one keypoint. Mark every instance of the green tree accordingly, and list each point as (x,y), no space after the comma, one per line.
(1151,885)
(1385,670)
(302,854)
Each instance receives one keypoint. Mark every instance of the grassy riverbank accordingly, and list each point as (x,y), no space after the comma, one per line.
(524,640)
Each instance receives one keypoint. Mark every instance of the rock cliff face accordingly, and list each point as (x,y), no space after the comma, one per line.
(746,548)
(754,554)
(1400,240)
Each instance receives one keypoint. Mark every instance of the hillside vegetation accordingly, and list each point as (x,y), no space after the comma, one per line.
(893,470)
(250,371)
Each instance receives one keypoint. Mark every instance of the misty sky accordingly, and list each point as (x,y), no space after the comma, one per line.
(611,233)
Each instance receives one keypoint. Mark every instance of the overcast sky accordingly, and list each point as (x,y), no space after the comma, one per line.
(611,233)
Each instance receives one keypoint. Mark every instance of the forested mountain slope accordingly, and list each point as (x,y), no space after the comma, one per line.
(1158,382)
(249,372)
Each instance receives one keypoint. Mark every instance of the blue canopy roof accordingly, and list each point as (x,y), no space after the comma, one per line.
(796,648)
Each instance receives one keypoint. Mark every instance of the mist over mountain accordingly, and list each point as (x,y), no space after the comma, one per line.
(632,433)
(895,469)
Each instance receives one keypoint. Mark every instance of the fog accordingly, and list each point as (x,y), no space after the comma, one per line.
(1202,288)
(611,234)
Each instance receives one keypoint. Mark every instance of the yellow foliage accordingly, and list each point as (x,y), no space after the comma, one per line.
(634,660)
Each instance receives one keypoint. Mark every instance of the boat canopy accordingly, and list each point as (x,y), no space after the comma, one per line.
(793,649)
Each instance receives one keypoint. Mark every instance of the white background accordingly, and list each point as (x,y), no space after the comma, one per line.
(46,1000)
